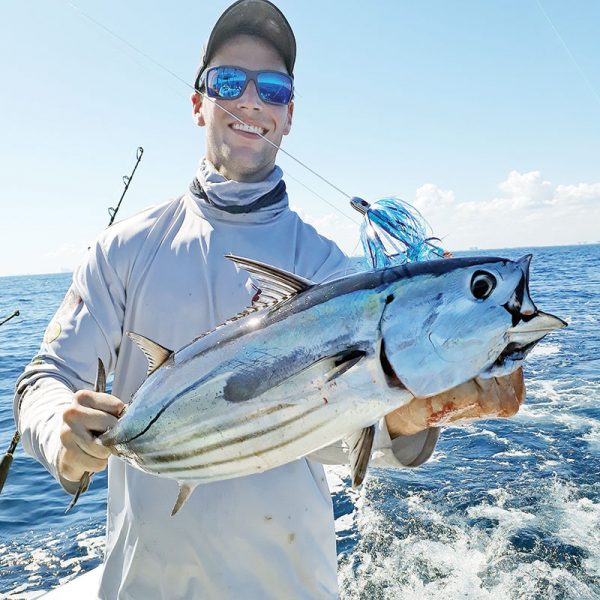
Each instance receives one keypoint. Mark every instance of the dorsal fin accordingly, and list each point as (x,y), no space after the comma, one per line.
(274,284)
(156,354)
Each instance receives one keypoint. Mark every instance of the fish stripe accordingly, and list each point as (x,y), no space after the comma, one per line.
(254,454)
(192,432)
(174,457)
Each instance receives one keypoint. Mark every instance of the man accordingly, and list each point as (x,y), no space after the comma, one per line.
(162,274)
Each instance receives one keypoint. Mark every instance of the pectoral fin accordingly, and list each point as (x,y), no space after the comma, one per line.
(246,384)
(360,445)
(343,362)
(185,489)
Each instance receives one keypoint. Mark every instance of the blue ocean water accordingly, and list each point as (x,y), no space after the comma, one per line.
(504,509)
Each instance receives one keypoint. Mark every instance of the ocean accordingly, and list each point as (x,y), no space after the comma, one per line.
(505,509)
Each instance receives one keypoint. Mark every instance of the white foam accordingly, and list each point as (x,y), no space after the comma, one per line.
(592,438)
(508,519)
(444,557)
(40,556)
(344,523)
(544,349)
(512,454)
(335,477)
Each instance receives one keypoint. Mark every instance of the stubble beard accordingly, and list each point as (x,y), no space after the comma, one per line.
(238,169)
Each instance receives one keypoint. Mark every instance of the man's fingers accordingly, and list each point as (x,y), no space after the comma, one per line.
(100,401)
(73,464)
(81,418)
(518,382)
(511,393)
(501,396)
(76,438)
(87,443)
(84,462)
(90,414)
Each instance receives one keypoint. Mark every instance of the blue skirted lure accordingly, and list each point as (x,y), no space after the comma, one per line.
(394,233)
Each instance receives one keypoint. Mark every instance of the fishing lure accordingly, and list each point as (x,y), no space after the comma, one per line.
(394,232)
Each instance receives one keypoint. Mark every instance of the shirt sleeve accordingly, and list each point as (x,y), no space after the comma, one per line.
(86,327)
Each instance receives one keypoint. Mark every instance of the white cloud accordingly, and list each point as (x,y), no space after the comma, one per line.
(526,189)
(531,212)
(429,197)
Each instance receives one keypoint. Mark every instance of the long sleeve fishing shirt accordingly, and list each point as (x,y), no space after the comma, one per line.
(162,274)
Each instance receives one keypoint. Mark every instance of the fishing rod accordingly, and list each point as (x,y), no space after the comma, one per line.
(15,314)
(8,457)
(126,180)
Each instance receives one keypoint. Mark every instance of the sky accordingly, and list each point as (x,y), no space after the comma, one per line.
(485,115)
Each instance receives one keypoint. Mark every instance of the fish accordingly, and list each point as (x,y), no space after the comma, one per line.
(309,364)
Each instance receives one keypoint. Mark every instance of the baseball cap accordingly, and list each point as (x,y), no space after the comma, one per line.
(252,17)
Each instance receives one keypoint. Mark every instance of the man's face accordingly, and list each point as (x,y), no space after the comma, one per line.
(236,154)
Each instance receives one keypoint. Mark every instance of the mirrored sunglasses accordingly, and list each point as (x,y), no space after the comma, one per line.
(229,83)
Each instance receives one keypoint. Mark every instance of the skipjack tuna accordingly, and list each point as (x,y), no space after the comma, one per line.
(310,364)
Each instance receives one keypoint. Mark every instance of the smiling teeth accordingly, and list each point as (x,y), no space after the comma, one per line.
(248,128)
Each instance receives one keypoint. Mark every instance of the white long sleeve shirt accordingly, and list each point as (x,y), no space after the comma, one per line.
(162,274)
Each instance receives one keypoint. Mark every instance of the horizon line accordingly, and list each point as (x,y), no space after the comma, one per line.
(470,249)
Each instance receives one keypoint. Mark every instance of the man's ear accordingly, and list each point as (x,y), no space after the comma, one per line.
(197,109)
(290,113)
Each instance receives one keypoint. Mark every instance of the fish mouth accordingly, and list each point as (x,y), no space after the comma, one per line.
(522,339)
(512,353)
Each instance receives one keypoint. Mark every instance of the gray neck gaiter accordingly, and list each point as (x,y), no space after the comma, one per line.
(237,197)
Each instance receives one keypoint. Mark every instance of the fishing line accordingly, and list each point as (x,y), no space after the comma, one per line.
(180,79)
(568,51)
(288,174)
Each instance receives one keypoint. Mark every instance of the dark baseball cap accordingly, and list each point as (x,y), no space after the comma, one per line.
(259,18)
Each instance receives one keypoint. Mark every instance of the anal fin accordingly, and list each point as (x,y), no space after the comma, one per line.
(361,446)
(185,489)
(84,483)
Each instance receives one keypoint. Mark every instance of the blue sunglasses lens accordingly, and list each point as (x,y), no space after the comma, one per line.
(225,82)
(275,88)
(229,83)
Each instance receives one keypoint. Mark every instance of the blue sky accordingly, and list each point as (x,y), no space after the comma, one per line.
(475,111)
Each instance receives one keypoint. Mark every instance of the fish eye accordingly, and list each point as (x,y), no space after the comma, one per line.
(482,284)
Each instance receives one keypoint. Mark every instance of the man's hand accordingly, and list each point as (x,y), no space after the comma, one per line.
(90,415)
(476,399)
